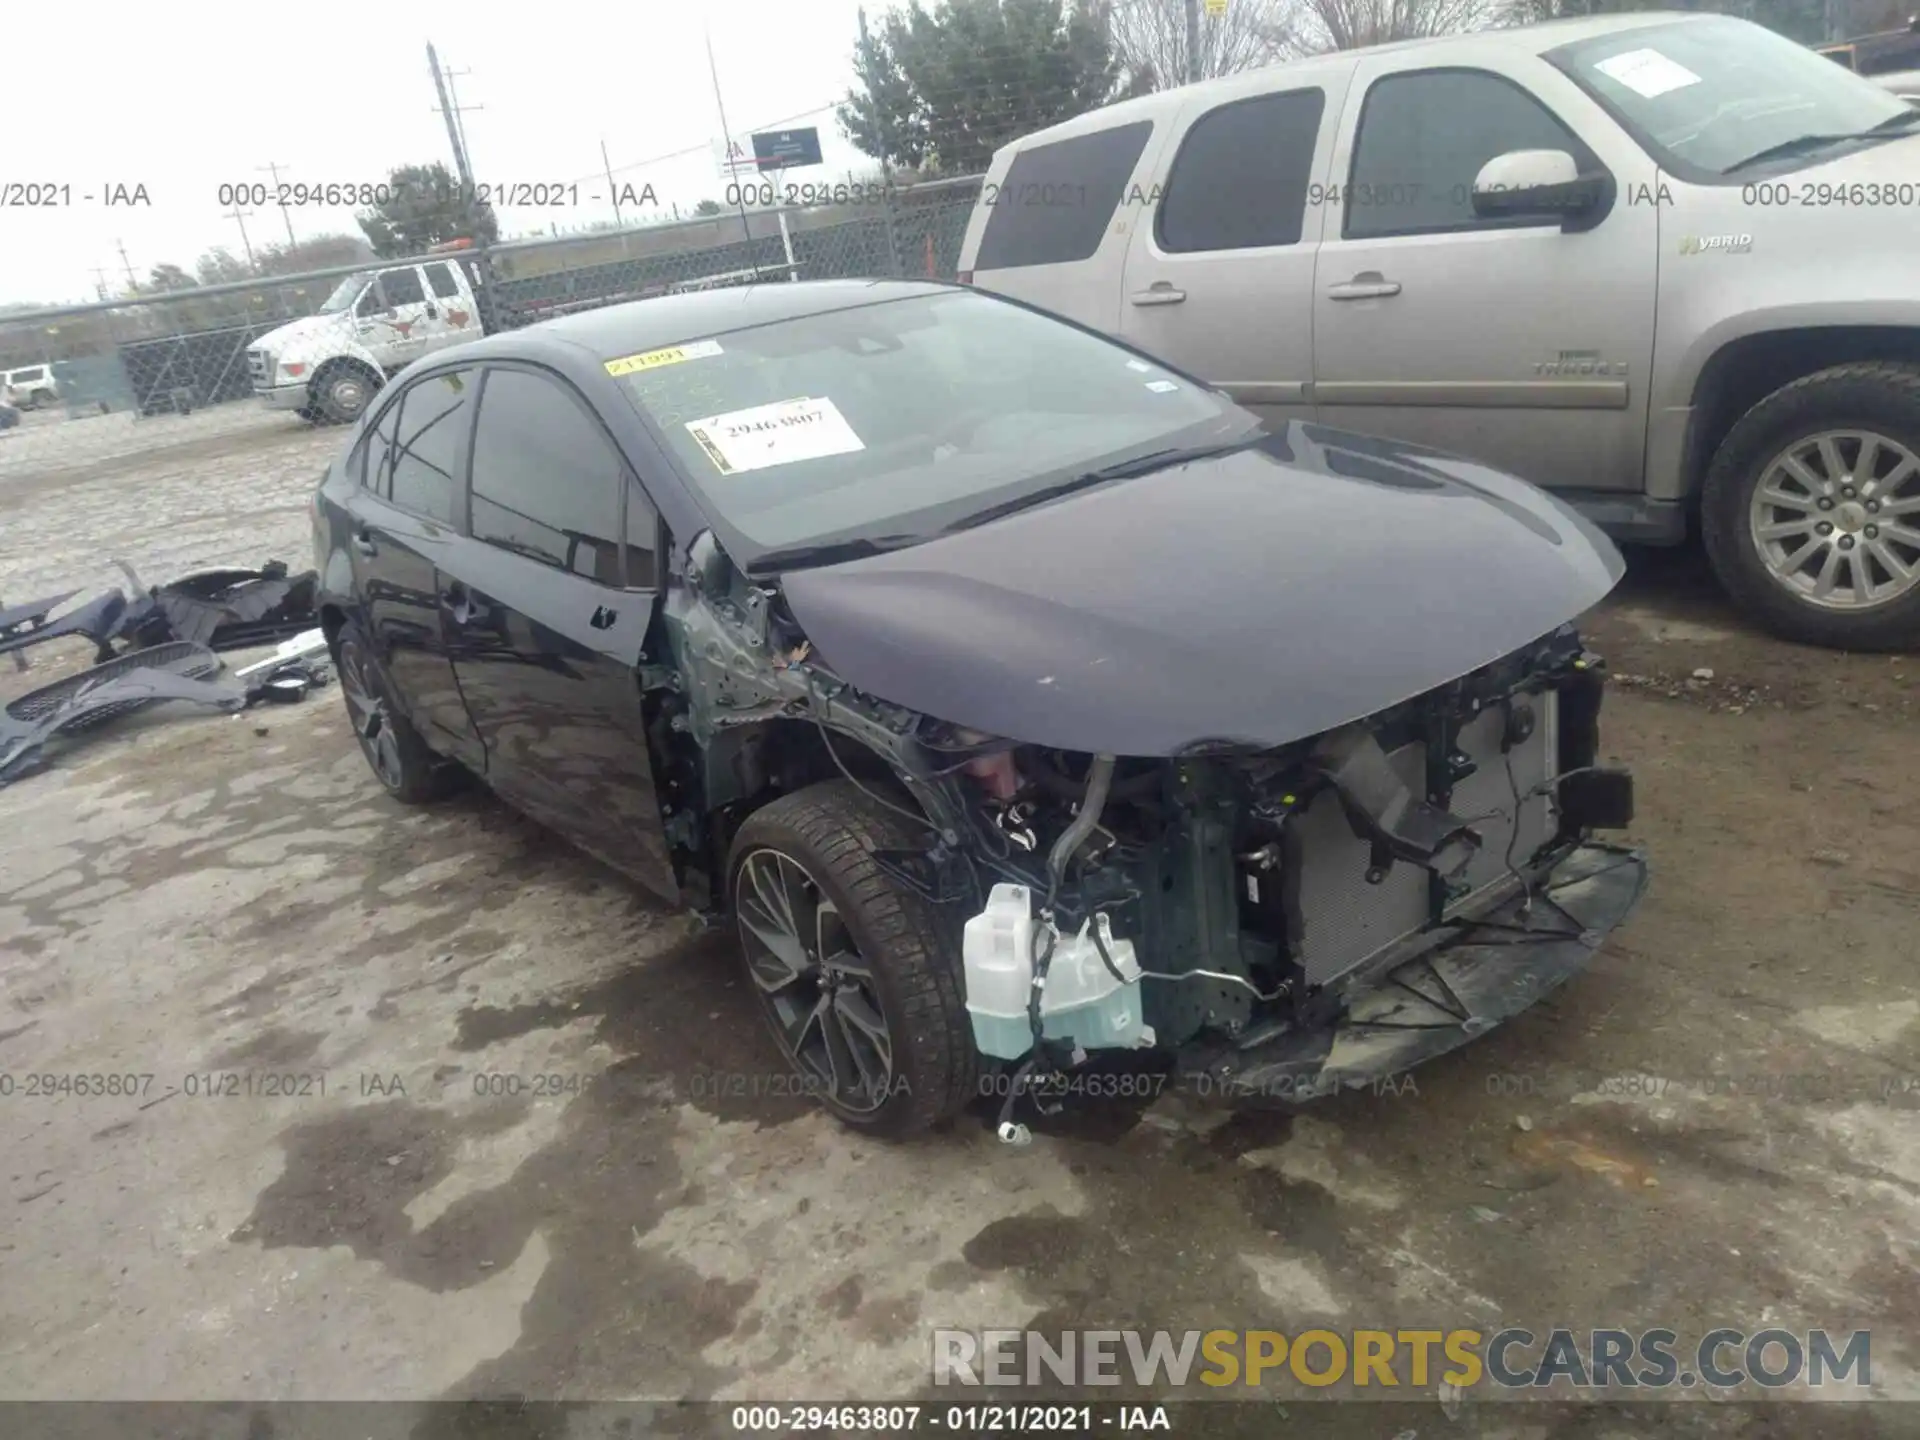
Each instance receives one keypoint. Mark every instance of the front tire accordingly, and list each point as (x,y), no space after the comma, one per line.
(1811,509)
(398,757)
(858,978)
(342,394)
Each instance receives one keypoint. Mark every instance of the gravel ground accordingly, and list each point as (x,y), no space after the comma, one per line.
(1713,1125)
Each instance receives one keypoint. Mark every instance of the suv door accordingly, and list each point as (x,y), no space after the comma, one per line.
(391,318)
(405,519)
(1525,342)
(1219,277)
(448,318)
(548,625)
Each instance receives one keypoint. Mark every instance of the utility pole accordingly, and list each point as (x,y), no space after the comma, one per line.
(273,169)
(613,192)
(455,136)
(133,285)
(460,110)
(726,135)
(100,281)
(1193,41)
(239,217)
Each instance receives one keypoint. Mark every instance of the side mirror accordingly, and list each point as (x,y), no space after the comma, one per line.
(1534,182)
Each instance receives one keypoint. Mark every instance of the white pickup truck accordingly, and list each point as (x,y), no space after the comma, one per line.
(328,365)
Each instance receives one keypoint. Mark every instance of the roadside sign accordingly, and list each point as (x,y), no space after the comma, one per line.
(1216,7)
(787,149)
(733,159)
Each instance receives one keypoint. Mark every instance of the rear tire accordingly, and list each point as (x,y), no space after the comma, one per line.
(400,760)
(861,949)
(1839,448)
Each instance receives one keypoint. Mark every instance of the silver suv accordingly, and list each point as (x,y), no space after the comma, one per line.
(31,388)
(1666,265)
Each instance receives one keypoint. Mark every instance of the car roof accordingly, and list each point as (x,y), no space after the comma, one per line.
(639,325)
(1533,39)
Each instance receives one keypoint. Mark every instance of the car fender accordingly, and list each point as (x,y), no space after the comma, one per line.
(1680,377)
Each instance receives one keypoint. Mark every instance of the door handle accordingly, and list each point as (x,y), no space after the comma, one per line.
(432,314)
(363,544)
(1158,294)
(1368,285)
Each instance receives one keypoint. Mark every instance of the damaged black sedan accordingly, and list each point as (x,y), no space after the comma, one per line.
(1023,702)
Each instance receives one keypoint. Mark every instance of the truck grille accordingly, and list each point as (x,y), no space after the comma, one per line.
(260,368)
(1345,922)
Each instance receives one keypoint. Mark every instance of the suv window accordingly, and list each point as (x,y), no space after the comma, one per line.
(402,287)
(426,449)
(1424,137)
(547,480)
(1055,200)
(1240,179)
(441,278)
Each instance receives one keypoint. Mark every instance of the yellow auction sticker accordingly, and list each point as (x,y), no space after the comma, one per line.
(672,355)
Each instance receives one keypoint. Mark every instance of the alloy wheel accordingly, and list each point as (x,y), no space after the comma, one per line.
(1836,519)
(813,982)
(367,710)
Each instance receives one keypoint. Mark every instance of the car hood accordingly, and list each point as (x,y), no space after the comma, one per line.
(1258,597)
(296,333)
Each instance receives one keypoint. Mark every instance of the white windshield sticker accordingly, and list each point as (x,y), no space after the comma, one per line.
(777,434)
(1647,72)
(1162,387)
(1141,366)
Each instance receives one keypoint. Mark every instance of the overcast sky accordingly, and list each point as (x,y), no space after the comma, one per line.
(209,94)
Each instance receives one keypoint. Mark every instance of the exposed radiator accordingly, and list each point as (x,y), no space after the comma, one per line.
(1345,921)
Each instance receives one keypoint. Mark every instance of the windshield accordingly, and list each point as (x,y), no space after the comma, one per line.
(891,422)
(1705,95)
(347,292)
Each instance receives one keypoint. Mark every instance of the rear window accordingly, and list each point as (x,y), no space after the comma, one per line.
(1053,205)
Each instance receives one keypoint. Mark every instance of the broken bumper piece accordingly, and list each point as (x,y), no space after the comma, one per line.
(1479,973)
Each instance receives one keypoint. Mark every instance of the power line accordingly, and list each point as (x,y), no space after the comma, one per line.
(700,149)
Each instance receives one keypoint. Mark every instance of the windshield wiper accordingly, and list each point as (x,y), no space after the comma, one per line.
(1892,125)
(830,552)
(1120,470)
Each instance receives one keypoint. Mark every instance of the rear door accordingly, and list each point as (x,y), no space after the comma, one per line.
(405,519)
(391,318)
(449,317)
(1219,277)
(556,593)
(1052,229)
(1522,342)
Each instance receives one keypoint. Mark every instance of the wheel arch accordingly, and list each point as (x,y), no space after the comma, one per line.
(1748,368)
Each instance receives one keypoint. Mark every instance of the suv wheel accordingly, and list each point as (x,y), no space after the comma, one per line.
(858,978)
(1811,509)
(340,394)
(398,757)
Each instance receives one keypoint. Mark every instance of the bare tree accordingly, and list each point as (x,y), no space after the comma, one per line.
(1149,37)
(1349,24)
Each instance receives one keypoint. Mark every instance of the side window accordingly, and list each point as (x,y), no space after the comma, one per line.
(1424,137)
(402,287)
(371,301)
(441,279)
(378,445)
(546,479)
(643,535)
(426,448)
(1240,179)
(1054,204)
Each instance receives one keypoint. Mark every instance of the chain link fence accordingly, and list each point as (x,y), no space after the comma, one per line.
(124,382)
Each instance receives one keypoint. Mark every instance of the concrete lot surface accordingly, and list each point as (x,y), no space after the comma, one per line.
(1718,1124)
